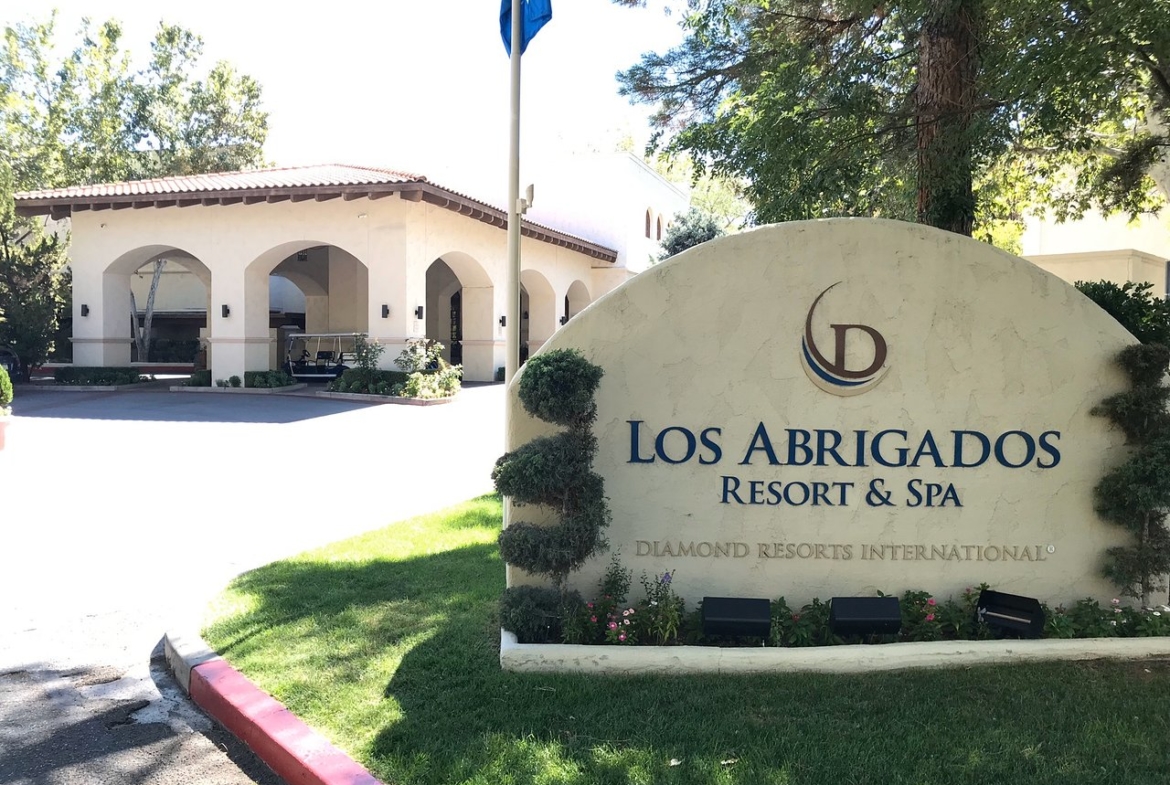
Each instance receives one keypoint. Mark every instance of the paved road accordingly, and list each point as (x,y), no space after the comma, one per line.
(122,513)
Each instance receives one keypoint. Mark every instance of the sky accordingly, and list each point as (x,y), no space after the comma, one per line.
(420,86)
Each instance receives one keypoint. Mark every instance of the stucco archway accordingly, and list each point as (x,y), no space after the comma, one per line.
(104,318)
(538,310)
(331,296)
(576,299)
(459,313)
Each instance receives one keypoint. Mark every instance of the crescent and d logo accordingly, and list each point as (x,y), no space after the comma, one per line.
(834,376)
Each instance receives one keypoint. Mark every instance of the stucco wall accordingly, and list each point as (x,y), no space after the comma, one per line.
(235,247)
(705,350)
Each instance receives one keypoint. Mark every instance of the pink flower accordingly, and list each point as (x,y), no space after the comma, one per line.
(588,605)
(626,622)
(593,618)
(1115,601)
(931,602)
(930,617)
(613,625)
(626,613)
(622,637)
(631,611)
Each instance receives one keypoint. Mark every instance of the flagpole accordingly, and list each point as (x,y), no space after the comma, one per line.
(512,277)
(512,326)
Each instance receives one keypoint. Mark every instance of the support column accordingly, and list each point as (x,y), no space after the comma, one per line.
(241,338)
(101,339)
(483,337)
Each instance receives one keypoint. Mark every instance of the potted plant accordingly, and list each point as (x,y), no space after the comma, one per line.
(5,402)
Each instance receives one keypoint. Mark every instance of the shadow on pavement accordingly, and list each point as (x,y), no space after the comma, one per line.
(161,406)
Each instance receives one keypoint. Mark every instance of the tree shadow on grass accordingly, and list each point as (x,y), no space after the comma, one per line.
(440,710)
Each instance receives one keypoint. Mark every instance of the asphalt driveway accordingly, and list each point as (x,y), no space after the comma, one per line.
(124,512)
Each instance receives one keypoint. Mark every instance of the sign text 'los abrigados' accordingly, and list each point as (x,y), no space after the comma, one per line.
(799,447)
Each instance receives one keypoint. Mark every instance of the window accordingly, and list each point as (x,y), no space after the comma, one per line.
(648,221)
(659,227)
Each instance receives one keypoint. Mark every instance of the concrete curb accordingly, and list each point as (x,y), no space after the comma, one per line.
(626,660)
(366,398)
(238,390)
(296,752)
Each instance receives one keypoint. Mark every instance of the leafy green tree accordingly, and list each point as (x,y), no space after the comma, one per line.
(1134,305)
(84,117)
(688,230)
(941,111)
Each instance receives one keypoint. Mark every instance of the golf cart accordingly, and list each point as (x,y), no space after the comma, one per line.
(319,357)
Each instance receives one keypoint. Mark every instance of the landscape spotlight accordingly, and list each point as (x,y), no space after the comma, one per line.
(1010,614)
(865,616)
(737,616)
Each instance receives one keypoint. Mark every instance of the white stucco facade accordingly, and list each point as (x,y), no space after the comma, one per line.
(1097,247)
(409,261)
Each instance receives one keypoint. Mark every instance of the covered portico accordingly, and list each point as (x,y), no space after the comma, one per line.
(358,242)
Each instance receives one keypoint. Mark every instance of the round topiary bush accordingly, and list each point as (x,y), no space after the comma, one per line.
(554,472)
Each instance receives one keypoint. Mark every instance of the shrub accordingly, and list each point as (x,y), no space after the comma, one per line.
(266,379)
(534,613)
(235,381)
(355,380)
(1133,305)
(5,392)
(83,376)
(199,379)
(1136,494)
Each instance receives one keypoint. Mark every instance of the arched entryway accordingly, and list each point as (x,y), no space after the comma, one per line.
(110,325)
(576,299)
(538,309)
(459,313)
(302,286)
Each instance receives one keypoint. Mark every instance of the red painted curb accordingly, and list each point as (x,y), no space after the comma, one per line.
(296,752)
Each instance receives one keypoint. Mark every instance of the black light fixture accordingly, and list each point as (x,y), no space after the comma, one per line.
(1010,614)
(565,319)
(302,256)
(418,312)
(503,321)
(224,311)
(737,616)
(865,616)
(524,315)
(385,311)
(84,309)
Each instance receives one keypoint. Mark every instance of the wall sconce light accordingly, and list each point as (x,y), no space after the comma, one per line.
(302,256)
(418,312)
(503,321)
(385,311)
(565,319)
(224,311)
(84,309)
(524,315)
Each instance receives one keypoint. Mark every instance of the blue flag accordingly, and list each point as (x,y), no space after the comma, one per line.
(534,15)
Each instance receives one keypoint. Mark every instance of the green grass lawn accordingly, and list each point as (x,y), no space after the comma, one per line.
(388,644)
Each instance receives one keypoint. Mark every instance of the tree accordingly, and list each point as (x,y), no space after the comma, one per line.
(85,117)
(1134,305)
(688,230)
(931,110)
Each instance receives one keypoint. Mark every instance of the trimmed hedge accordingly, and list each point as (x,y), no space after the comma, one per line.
(264,379)
(82,376)
(379,382)
(199,379)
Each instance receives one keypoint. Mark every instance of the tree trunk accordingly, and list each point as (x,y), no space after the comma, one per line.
(147,338)
(948,67)
(142,336)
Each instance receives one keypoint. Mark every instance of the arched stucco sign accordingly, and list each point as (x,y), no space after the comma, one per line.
(843,406)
